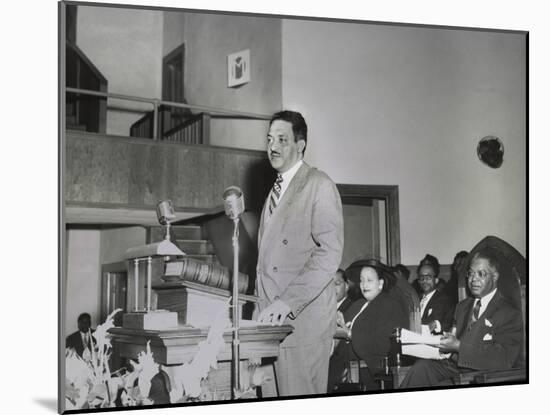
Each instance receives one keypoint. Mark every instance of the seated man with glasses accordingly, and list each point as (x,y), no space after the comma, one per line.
(436,309)
(487,333)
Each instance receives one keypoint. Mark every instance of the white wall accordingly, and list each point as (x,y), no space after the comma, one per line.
(173,31)
(87,251)
(209,39)
(126,47)
(115,242)
(406,106)
(83,276)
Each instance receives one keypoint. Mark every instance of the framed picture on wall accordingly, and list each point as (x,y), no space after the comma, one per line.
(219,244)
(238,68)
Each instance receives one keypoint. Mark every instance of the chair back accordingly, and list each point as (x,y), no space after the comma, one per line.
(512,277)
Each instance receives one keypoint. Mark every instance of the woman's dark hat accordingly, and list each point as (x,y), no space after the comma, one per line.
(353,272)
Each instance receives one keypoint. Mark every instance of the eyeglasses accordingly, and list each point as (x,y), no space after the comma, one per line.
(425,277)
(482,274)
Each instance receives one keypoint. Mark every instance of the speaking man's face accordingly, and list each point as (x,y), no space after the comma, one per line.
(282,150)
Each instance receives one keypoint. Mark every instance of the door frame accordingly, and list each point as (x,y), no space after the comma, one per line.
(177,53)
(359,194)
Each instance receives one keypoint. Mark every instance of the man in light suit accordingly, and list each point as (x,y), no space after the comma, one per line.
(300,247)
(488,331)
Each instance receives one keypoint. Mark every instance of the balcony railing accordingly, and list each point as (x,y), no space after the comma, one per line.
(193,129)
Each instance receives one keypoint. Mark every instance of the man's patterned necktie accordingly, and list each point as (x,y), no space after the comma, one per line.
(275,194)
(475,311)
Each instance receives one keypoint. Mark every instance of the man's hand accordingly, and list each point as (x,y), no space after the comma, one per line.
(275,313)
(449,343)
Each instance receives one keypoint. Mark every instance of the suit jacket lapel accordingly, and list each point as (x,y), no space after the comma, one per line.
(492,306)
(487,313)
(280,211)
(430,304)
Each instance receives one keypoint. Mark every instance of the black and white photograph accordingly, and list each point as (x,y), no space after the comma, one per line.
(262,206)
(352,219)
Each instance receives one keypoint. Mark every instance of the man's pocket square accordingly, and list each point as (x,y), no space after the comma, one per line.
(488,323)
(487,337)
(430,312)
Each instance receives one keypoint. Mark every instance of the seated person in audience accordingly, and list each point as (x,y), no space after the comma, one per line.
(429,260)
(369,323)
(488,331)
(451,287)
(436,309)
(403,291)
(81,340)
(343,301)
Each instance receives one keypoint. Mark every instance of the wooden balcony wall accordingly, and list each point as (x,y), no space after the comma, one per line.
(118,176)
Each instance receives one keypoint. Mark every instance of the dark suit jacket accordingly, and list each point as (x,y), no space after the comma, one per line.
(74,341)
(494,341)
(440,307)
(345,304)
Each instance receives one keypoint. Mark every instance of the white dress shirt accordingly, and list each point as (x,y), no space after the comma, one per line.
(486,300)
(288,176)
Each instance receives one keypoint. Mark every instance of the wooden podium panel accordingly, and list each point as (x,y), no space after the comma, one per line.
(178,346)
(196,304)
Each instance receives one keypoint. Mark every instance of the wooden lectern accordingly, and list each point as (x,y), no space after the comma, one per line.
(177,319)
(178,346)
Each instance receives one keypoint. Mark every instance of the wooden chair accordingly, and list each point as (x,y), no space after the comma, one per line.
(512,285)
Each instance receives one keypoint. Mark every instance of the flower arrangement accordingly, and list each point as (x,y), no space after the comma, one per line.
(91,384)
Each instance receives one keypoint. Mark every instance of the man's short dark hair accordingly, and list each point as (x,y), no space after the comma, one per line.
(83,316)
(460,255)
(431,261)
(403,270)
(299,126)
(342,273)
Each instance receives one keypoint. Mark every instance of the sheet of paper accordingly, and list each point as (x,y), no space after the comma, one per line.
(422,350)
(425,330)
(410,337)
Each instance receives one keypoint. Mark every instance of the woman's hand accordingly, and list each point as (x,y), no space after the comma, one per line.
(340,322)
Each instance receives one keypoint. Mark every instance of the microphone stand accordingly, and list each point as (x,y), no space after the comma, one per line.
(235,314)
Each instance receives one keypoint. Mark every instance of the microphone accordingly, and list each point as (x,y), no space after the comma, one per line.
(165,212)
(233,202)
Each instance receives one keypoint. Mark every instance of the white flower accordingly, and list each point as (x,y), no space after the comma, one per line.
(146,369)
(487,337)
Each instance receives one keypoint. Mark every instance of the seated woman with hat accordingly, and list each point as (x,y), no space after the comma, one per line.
(368,324)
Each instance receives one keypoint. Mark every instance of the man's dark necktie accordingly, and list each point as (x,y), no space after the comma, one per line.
(475,311)
(275,194)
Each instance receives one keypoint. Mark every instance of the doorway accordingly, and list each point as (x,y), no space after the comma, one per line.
(173,89)
(371,223)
